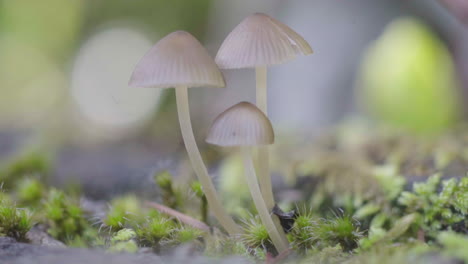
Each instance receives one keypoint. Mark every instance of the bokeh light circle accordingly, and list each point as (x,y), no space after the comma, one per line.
(99,82)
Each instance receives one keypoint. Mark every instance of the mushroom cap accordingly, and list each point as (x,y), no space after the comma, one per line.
(260,40)
(178,59)
(241,125)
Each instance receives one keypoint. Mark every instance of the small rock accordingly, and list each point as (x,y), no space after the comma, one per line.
(38,236)
(95,208)
(145,250)
(6,240)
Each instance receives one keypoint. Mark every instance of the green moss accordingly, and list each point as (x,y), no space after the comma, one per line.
(154,230)
(5,197)
(123,235)
(311,233)
(232,184)
(171,197)
(341,230)
(32,164)
(87,238)
(14,222)
(256,235)
(367,210)
(126,246)
(30,191)
(340,182)
(66,220)
(124,211)
(401,253)
(301,232)
(401,226)
(124,241)
(454,245)
(328,255)
(184,235)
(438,209)
(457,195)
(187,234)
(369,180)
(220,246)
(198,190)
(164,180)
(389,180)
(378,235)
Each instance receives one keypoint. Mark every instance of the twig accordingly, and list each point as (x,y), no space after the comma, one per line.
(179,216)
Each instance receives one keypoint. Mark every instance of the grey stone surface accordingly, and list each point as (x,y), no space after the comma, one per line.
(13,252)
(107,170)
(38,236)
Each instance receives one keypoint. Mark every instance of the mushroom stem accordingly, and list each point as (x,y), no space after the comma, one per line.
(261,79)
(280,243)
(263,157)
(263,154)
(197,163)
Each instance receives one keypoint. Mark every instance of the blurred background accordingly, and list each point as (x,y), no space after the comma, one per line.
(65,65)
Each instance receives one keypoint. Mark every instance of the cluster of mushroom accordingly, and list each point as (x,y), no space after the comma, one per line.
(180,61)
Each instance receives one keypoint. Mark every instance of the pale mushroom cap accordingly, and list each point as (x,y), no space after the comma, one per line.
(241,125)
(260,40)
(177,60)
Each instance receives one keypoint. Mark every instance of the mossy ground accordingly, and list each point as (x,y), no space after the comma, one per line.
(362,198)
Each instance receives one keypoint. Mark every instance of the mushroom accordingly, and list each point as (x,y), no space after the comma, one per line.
(244,125)
(179,60)
(257,42)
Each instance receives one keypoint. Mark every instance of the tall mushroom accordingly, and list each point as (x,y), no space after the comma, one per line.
(257,42)
(244,125)
(180,61)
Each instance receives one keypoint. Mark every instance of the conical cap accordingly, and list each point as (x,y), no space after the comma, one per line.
(260,40)
(241,125)
(177,60)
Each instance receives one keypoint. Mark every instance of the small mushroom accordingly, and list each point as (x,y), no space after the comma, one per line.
(260,41)
(257,42)
(245,126)
(179,60)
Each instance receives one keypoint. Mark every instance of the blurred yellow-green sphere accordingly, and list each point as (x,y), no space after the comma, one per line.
(408,79)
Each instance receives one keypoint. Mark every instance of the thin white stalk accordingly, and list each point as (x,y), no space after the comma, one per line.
(263,153)
(197,163)
(263,158)
(259,202)
(261,91)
